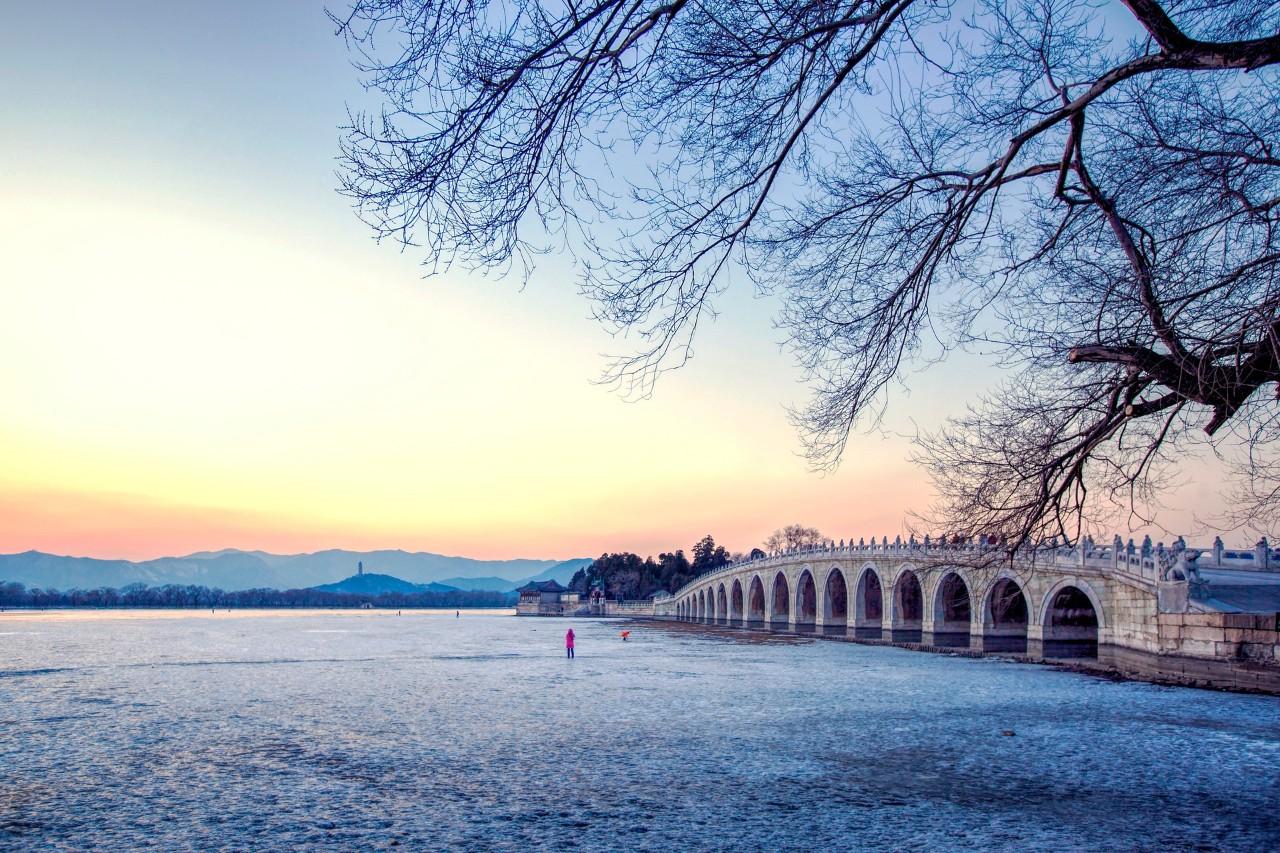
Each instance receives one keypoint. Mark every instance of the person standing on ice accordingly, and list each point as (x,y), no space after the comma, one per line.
(568,643)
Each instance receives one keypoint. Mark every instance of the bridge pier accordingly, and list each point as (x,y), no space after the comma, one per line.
(1035,641)
(898,632)
(1007,642)
(945,635)
(999,641)
(946,639)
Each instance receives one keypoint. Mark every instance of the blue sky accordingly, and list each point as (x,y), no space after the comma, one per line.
(208,349)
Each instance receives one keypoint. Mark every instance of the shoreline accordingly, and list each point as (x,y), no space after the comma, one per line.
(86,614)
(1164,670)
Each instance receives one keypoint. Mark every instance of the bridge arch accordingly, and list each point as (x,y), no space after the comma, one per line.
(908,606)
(952,611)
(1005,616)
(722,606)
(835,602)
(806,602)
(1071,616)
(780,606)
(735,603)
(868,604)
(702,605)
(755,602)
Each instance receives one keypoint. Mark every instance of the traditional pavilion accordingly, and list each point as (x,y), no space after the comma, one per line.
(546,598)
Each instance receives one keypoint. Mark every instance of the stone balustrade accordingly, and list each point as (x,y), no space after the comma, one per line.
(1147,561)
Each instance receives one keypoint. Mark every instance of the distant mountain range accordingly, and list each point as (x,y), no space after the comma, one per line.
(562,572)
(489,583)
(232,569)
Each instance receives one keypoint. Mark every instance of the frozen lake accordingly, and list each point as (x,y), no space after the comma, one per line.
(358,731)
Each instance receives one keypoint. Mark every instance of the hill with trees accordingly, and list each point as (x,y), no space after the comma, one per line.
(628,576)
(370,583)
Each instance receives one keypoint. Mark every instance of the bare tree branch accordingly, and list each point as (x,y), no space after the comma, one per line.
(1100,206)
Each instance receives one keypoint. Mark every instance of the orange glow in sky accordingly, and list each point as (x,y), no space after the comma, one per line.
(202,348)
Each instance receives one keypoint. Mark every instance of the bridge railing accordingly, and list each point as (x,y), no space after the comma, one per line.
(630,604)
(1147,562)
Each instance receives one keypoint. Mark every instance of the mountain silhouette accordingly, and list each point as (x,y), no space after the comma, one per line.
(233,569)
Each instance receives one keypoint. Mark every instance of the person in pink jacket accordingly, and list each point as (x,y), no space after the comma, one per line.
(568,642)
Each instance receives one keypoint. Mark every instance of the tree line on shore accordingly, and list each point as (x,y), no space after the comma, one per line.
(14,594)
(629,576)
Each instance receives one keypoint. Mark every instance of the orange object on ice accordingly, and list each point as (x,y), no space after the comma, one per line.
(625,634)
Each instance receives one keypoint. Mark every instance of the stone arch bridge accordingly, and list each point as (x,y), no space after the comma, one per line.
(1053,602)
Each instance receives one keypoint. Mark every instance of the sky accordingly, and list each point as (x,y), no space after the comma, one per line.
(202,347)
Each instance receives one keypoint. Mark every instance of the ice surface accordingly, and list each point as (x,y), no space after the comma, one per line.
(346,731)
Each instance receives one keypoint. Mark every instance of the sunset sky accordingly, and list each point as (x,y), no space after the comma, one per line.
(204,348)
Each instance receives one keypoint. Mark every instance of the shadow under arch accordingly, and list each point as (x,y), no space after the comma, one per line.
(722,606)
(736,617)
(868,606)
(952,612)
(755,603)
(806,603)
(1005,619)
(835,604)
(908,607)
(1070,620)
(780,613)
